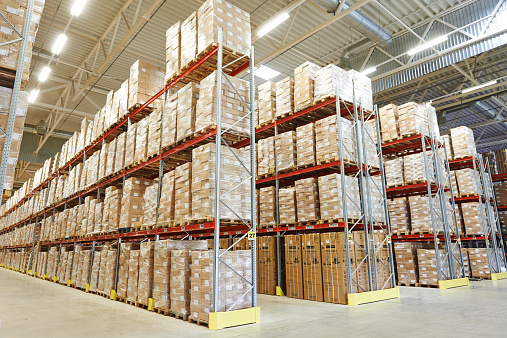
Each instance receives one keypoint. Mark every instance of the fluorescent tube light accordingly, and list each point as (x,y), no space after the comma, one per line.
(33,95)
(77,7)
(271,24)
(427,45)
(43,76)
(369,70)
(59,43)
(266,73)
(478,87)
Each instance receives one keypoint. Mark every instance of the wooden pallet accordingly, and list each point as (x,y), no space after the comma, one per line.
(395,185)
(468,195)
(401,233)
(282,116)
(408,284)
(269,174)
(304,166)
(310,222)
(160,311)
(231,58)
(415,182)
(267,226)
(428,286)
(287,224)
(331,220)
(179,315)
(197,321)
(421,232)
(263,124)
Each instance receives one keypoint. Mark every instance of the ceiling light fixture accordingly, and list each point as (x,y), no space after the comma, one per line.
(369,70)
(271,24)
(43,76)
(266,73)
(59,43)
(33,95)
(478,87)
(427,45)
(77,7)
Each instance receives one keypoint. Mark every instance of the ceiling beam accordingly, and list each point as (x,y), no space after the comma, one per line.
(77,113)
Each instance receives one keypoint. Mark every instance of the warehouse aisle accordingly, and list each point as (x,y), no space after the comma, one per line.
(30,306)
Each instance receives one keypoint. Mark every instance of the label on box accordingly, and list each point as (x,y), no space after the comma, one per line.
(12,10)
(6,30)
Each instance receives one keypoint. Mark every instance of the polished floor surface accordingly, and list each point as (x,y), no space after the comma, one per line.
(33,307)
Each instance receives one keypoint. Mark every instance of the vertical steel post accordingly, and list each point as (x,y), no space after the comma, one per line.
(253,204)
(218,146)
(344,190)
(15,93)
(277,215)
(91,263)
(33,242)
(117,269)
(161,162)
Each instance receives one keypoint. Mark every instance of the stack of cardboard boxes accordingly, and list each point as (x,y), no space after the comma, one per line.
(305,142)
(132,201)
(330,79)
(406,262)
(287,205)
(267,102)
(308,203)
(285,97)
(285,150)
(331,197)
(399,215)
(293,266)
(267,203)
(389,116)
(304,85)
(266,268)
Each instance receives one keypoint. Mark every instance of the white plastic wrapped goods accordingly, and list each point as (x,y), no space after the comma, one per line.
(463,142)
(362,89)
(394,171)
(413,119)
(285,146)
(306,151)
(468,182)
(331,197)
(414,168)
(189,36)
(266,156)
(187,101)
(389,120)
(330,79)
(399,215)
(215,15)
(304,85)
(285,97)
(267,102)
(326,140)
(307,199)
(267,202)
(173,50)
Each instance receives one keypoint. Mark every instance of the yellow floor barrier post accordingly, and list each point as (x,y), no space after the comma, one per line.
(453,283)
(69,282)
(279,291)
(87,289)
(222,320)
(150,304)
(113,295)
(373,296)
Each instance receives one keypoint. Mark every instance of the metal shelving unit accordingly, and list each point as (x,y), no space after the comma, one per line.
(24,37)
(445,234)
(490,225)
(155,167)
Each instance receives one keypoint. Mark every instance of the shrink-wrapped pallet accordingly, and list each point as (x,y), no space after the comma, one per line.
(362,89)
(150,204)
(234,183)
(389,120)
(133,276)
(167,199)
(234,108)
(84,269)
(331,78)
(119,159)
(393,169)
(501,193)
(399,215)
(307,195)
(468,182)
(306,151)
(98,216)
(181,262)
(267,198)
(284,97)
(183,192)
(267,102)
(132,201)
(479,263)
(285,149)
(154,130)
(186,106)
(216,15)
(111,156)
(500,161)
(130,144)
(90,226)
(413,119)
(109,272)
(374,199)
(427,264)
(312,267)
(94,281)
(287,205)
(406,262)
(173,50)
(144,288)
(266,156)
(144,82)
(202,280)
(474,215)
(416,168)
(141,141)
(189,36)
(331,197)
(463,142)
(326,140)
(420,214)
(304,85)
(293,266)
(101,172)
(266,265)
(169,121)
(123,268)
(112,209)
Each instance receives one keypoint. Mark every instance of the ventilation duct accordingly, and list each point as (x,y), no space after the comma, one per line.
(490,114)
(362,24)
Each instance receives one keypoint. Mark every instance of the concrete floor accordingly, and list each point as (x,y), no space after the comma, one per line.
(33,307)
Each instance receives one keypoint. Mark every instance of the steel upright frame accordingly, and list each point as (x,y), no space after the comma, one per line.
(218,202)
(17,88)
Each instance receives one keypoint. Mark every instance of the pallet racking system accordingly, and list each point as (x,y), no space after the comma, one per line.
(445,234)
(212,60)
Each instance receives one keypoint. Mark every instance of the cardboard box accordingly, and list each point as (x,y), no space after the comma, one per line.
(266,267)
(293,266)
(312,268)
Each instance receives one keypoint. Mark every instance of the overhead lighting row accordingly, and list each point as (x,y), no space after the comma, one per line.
(76,10)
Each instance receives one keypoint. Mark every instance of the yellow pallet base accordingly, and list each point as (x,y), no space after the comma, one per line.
(222,320)
(373,296)
(453,283)
(497,276)
(279,291)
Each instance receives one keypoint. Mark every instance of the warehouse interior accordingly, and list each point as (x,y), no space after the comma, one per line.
(213,165)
